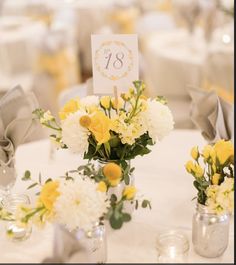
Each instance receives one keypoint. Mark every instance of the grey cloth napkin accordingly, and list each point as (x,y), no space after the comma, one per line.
(212,115)
(16,122)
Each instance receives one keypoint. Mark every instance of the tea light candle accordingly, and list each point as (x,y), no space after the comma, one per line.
(172,247)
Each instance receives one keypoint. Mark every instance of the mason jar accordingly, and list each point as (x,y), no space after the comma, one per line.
(210,232)
(79,246)
(15,230)
(117,190)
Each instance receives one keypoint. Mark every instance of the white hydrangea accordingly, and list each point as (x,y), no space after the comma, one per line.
(159,120)
(74,135)
(79,205)
(220,199)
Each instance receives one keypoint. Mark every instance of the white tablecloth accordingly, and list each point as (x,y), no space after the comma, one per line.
(160,176)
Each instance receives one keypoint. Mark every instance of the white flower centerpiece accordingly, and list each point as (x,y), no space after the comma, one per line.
(111,131)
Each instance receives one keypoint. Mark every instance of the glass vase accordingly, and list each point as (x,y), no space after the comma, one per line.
(79,246)
(7,177)
(210,232)
(117,190)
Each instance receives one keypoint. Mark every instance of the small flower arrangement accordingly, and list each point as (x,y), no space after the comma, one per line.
(73,203)
(214,179)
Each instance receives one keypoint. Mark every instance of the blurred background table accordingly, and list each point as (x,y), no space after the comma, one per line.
(160,176)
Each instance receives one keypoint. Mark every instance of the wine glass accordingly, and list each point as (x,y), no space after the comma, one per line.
(189,11)
(7,177)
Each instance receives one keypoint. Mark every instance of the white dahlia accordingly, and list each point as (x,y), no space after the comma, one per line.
(80,204)
(159,120)
(74,135)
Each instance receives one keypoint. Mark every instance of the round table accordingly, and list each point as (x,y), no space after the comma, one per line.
(159,176)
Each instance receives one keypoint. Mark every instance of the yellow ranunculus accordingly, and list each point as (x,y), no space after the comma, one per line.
(129,192)
(117,105)
(198,171)
(113,173)
(70,107)
(85,121)
(100,127)
(102,186)
(195,153)
(215,179)
(105,101)
(49,194)
(189,166)
(207,150)
(224,150)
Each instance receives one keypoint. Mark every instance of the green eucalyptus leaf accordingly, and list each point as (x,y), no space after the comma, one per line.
(126,217)
(115,223)
(27,175)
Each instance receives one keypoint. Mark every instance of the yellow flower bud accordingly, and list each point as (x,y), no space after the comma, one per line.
(105,102)
(117,104)
(129,192)
(189,166)
(102,186)
(113,173)
(215,179)
(198,171)
(85,121)
(195,153)
(207,151)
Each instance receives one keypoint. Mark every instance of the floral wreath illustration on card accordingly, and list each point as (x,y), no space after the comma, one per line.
(113,56)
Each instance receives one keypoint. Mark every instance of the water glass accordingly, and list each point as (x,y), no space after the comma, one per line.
(172,247)
(16,231)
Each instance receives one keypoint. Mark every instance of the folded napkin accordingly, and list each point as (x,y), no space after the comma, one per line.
(16,122)
(212,115)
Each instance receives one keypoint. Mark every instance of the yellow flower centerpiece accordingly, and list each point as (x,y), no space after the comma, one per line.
(214,178)
(111,131)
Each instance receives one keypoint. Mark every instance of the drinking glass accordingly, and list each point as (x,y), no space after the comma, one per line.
(172,247)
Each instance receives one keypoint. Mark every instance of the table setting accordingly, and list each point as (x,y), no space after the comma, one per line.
(136,163)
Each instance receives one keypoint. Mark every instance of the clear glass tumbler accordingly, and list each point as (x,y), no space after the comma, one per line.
(172,247)
(16,231)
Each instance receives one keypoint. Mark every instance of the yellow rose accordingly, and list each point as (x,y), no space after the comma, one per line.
(215,179)
(70,107)
(117,105)
(105,102)
(207,151)
(49,194)
(224,150)
(198,171)
(189,166)
(100,127)
(113,173)
(195,153)
(129,192)
(102,186)
(85,121)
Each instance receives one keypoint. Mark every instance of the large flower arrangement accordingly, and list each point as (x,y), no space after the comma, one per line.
(114,130)
(214,179)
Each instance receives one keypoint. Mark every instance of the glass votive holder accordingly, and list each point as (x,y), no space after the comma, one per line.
(15,230)
(172,247)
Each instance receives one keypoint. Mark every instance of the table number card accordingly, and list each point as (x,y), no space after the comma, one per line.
(115,62)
